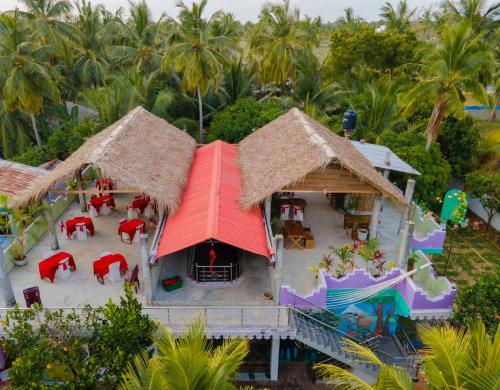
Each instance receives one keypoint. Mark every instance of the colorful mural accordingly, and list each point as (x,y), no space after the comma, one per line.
(377,315)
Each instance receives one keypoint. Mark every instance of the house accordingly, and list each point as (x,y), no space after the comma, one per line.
(241,225)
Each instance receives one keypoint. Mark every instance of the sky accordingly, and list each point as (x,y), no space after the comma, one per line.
(245,10)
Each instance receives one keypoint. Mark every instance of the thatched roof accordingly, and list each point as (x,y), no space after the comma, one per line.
(284,151)
(140,152)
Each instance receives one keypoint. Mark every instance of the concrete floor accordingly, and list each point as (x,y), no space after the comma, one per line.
(82,287)
(327,228)
(248,289)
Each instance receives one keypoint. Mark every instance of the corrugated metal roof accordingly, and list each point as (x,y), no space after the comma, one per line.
(16,178)
(210,207)
(377,155)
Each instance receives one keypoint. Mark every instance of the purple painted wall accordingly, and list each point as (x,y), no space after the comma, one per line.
(433,241)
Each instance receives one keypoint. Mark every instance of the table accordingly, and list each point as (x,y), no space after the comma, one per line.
(71,225)
(362,220)
(104,184)
(48,267)
(141,203)
(130,227)
(295,232)
(99,201)
(101,265)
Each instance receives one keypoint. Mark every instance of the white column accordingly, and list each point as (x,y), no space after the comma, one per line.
(54,244)
(275,357)
(9,298)
(81,195)
(278,263)
(145,268)
(404,250)
(410,187)
(377,204)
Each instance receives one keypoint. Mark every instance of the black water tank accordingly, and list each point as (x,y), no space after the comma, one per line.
(349,122)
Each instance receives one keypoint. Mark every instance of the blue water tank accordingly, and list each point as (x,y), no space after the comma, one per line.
(349,121)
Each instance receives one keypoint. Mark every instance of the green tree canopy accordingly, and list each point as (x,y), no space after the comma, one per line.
(246,115)
(486,187)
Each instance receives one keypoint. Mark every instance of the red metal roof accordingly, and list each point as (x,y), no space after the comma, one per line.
(210,207)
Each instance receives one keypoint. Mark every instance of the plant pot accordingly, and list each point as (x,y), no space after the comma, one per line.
(268,296)
(21,262)
(362,234)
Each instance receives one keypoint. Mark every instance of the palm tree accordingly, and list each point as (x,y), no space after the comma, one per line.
(14,138)
(277,39)
(397,19)
(389,376)
(28,82)
(455,359)
(237,82)
(481,17)
(449,69)
(188,362)
(196,53)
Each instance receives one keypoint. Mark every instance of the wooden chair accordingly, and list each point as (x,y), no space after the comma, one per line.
(32,296)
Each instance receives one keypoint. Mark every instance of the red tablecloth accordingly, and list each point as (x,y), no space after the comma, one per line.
(131,226)
(71,225)
(104,184)
(99,201)
(101,266)
(48,267)
(141,203)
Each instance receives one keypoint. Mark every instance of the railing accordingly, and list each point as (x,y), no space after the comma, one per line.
(216,273)
(405,342)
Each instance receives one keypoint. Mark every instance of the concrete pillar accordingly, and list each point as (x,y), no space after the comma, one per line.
(79,187)
(275,357)
(278,273)
(9,298)
(145,268)
(267,210)
(404,250)
(377,204)
(410,187)
(54,244)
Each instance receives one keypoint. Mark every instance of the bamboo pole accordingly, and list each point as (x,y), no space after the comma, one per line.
(95,191)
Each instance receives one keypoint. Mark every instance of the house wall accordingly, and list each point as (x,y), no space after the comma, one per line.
(428,235)
(477,208)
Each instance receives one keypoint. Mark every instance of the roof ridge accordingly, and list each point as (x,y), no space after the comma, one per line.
(313,136)
(214,194)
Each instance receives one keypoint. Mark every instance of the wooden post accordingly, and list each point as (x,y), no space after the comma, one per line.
(145,268)
(9,298)
(81,195)
(377,204)
(278,262)
(267,210)
(404,251)
(54,244)
(410,187)
(275,357)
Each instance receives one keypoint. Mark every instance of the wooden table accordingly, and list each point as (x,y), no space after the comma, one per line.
(295,233)
(361,220)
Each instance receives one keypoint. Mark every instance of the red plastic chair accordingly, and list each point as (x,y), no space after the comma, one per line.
(32,296)
(132,277)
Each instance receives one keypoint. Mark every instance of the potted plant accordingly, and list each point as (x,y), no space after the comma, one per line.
(327,262)
(352,205)
(315,270)
(368,249)
(17,250)
(362,234)
(346,256)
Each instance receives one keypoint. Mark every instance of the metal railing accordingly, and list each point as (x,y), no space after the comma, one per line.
(216,273)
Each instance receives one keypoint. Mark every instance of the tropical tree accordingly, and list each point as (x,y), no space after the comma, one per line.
(277,39)
(449,69)
(28,81)
(238,79)
(196,53)
(397,19)
(13,131)
(482,17)
(188,362)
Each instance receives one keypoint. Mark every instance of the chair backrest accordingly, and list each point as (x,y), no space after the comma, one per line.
(105,253)
(114,272)
(135,274)
(32,296)
(122,221)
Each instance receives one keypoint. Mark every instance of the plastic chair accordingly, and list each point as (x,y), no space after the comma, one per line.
(32,296)
(285,212)
(132,277)
(92,210)
(148,211)
(114,274)
(297,213)
(132,213)
(122,221)
(105,253)
(63,271)
(105,210)
(81,231)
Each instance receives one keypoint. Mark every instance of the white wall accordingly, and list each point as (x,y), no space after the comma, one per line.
(476,207)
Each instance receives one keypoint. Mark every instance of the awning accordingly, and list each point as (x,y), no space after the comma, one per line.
(210,206)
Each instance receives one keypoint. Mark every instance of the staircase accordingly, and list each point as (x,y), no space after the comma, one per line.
(322,335)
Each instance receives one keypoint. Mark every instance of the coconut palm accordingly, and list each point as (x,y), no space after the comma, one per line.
(482,18)
(449,69)
(277,39)
(196,53)
(14,137)
(397,19)
(389,376)
(28,81)
(188,362)
(237,82)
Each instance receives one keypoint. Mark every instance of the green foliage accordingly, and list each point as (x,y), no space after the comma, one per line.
(85,349)
(480,301)
(486,187)
(246,115)
(434,169)
(459,144)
